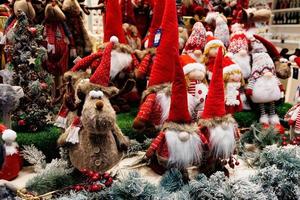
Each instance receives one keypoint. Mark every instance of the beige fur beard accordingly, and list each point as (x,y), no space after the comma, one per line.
(119,61)
(265,90)
(183,154)
(164,102)
(244,62)
(222,140)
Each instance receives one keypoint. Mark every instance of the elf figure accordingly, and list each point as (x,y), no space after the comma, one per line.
(196,82)
(178,144)
(196,42)
(12,159)
(233,80)
(210,53)
(219,130)
(263,85)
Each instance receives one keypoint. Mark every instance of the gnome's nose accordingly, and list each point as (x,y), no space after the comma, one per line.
(268,74)
(99,105)
(184,136)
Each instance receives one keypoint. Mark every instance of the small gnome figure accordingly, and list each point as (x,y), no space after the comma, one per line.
(293,116)
(219,130)
(210,52)
(12,159)
(263,85)
(178,145)
(233,79)
(239,49)
(196,42)
(196,82)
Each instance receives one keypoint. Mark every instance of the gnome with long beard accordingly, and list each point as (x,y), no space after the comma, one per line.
(219,129)
(263,85)
(178,145)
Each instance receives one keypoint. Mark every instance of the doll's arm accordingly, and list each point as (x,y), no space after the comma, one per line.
(144,113)
(155,144)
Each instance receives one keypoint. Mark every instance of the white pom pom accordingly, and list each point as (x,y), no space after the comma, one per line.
(184,136)
(96,94)
(209,33)
(9,135)
(114,39)
(292,58)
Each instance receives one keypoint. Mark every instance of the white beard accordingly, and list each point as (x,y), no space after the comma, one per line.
(265,90)
(244,62)
(183,153)
(232,93)
(165,103)
(222,141)
(119,61)
(11,149)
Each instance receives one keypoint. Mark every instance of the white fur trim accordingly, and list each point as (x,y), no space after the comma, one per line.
(9,135)
(183,154)
(222,140)
(114,39)
(192,66)
(266,90)
(230,68)
(292,58)
(209,74)
(119,61)
(209,33)
(96,94)
(11,149)
(165,103)
(213,42)
(264,119)
(60,122)
(274,119)
(73,134)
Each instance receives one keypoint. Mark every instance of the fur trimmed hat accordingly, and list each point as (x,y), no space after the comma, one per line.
(167,52)
(229,65)
(189,64)
(197,38)
(113,22)
(102,73)
(215,101)
(212,41)
(8,135)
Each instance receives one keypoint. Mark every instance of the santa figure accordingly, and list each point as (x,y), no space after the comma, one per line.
(196,82)
(218,128)
(178,145)
(263,85)
(12,160)
(210,52)
(196,42)
(233,80)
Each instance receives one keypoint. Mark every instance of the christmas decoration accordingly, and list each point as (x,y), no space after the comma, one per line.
(35,157)
(36,103)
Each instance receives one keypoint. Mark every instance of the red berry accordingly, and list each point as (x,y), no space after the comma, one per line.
(32,30)
(284,138)
(78,188)
(284,143)
(21,122)
(90,174)
(106,175)
(44,86)
(84,171)
(298,138)
(95,177)
(294,142)
(95,187)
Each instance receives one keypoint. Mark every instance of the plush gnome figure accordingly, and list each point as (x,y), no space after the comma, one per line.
(196,42)
(293,115)
(12,159)
(233,79)
(210,52)
(218,128)
(155,106)
(263,85)
(178,145)
(239,49)
(196,82)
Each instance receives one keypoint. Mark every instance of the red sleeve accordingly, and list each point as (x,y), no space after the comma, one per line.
(50,33)
(155,144)
(85,62)
(147,107)
(144,65)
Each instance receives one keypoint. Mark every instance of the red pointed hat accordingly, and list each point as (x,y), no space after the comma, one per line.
(179,112)
(102,73)
(86,62)
(274,53)
(113,21)
(127,12)
(167,52)
(158,11)
(215,102)
(229,65)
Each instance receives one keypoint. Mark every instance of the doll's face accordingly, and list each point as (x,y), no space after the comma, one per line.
(196,75)
(213,52)
(235,77)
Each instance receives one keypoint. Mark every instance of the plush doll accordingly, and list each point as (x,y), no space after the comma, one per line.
(196,82)
(219,130)
(293,116)
(210,52)
(183,37)
(196,42)
(263,85)
(100,143)
(132,36)
(221,30)
(233,81)
(12,159)
(58,38)
(75,22)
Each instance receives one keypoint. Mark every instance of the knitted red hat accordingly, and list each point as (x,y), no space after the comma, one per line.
(158,11)
(179,112)
(212,41)
(229,65)
(113,21)
(167,52)
(189,64)
(273,52)
(197,38)
(86,62)
(237,43)
(127,12)
(102,73)
(215,102)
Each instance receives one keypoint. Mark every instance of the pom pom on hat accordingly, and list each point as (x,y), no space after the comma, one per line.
(114,39)
(292,58)
(9,135)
